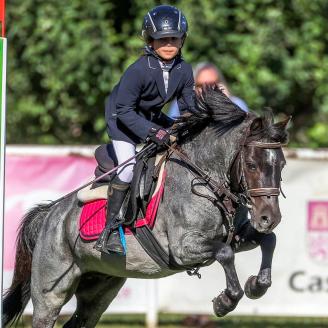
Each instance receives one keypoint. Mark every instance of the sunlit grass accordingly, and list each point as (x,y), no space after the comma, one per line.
(179,321)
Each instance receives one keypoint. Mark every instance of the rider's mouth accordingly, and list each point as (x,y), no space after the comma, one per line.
(168,53)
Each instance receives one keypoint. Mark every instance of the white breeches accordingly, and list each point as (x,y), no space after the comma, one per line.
(125,150)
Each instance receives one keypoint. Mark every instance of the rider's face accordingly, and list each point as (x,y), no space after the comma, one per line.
(167,48)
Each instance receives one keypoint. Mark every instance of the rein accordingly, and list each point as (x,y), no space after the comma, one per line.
(224,198)
(147,149)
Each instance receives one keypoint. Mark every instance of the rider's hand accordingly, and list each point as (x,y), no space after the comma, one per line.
(160,136)
(173,139)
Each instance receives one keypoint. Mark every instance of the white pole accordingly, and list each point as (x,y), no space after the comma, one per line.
(152,297)
(2,160)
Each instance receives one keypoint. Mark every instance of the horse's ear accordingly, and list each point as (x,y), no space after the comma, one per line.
(283,124)
(257,124)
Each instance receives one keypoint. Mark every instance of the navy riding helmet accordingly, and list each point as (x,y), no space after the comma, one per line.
(164,21)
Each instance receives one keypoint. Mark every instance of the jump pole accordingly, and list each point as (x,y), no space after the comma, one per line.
(3,63)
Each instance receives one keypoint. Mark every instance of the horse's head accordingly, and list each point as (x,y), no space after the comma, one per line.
(256,173)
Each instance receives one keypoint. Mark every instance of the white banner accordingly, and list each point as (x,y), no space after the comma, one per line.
(300,265)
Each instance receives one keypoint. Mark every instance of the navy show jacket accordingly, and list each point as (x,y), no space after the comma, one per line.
(135,104)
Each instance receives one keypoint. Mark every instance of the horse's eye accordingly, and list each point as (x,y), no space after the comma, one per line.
(251,166)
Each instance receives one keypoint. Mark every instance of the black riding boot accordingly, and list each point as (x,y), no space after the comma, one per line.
(109,241)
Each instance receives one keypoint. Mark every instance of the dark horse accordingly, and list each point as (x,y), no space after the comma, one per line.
(237,150)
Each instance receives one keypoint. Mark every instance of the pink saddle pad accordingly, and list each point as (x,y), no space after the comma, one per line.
(93,215)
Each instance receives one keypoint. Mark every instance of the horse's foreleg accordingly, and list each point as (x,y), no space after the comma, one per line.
(229,298)
(247,239)
(256,286)
(94,293)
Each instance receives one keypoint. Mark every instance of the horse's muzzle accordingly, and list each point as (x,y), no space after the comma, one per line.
(265,215)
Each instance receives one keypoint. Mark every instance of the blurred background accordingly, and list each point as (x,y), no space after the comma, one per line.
(64,58)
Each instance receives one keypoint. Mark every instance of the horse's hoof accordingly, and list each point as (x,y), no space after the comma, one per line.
(224,304)
(254,289)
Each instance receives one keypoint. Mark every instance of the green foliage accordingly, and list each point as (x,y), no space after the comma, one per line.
(65,57)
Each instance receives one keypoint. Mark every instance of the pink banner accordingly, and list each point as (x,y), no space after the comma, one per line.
(317,234)
(34,179)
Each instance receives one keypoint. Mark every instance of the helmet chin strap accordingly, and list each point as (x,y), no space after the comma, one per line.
(150,50)
(183,39)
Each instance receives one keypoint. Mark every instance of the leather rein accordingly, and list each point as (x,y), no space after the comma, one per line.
(224,198)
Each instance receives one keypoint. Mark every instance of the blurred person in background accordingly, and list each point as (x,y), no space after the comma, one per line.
(134,108)
(208,74)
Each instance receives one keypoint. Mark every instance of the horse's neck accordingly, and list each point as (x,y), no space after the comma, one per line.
(187,222)
(215,154)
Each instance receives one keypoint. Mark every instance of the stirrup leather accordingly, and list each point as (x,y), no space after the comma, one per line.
(102,239)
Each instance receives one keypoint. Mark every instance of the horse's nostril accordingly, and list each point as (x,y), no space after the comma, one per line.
(265,220)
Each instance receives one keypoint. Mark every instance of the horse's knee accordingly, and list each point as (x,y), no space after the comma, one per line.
(225,255)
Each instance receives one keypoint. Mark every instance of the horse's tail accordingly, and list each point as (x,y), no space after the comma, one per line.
(18,294)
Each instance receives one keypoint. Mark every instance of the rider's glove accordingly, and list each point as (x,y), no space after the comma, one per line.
(160,136)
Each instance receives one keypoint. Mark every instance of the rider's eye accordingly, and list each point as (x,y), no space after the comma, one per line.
(251,166)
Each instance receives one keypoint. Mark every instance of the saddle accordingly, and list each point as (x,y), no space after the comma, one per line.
(139,207)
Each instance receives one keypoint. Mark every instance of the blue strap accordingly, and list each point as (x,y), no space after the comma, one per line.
(122,237)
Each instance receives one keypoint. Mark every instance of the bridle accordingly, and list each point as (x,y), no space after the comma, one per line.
(225,199)
(247,192)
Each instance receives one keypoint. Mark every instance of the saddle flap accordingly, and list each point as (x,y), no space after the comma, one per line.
(143,184)
(93,214)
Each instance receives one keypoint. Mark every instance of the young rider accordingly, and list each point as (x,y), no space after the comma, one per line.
(133,110)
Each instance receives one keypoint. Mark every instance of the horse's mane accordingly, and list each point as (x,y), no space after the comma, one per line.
(214,109)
